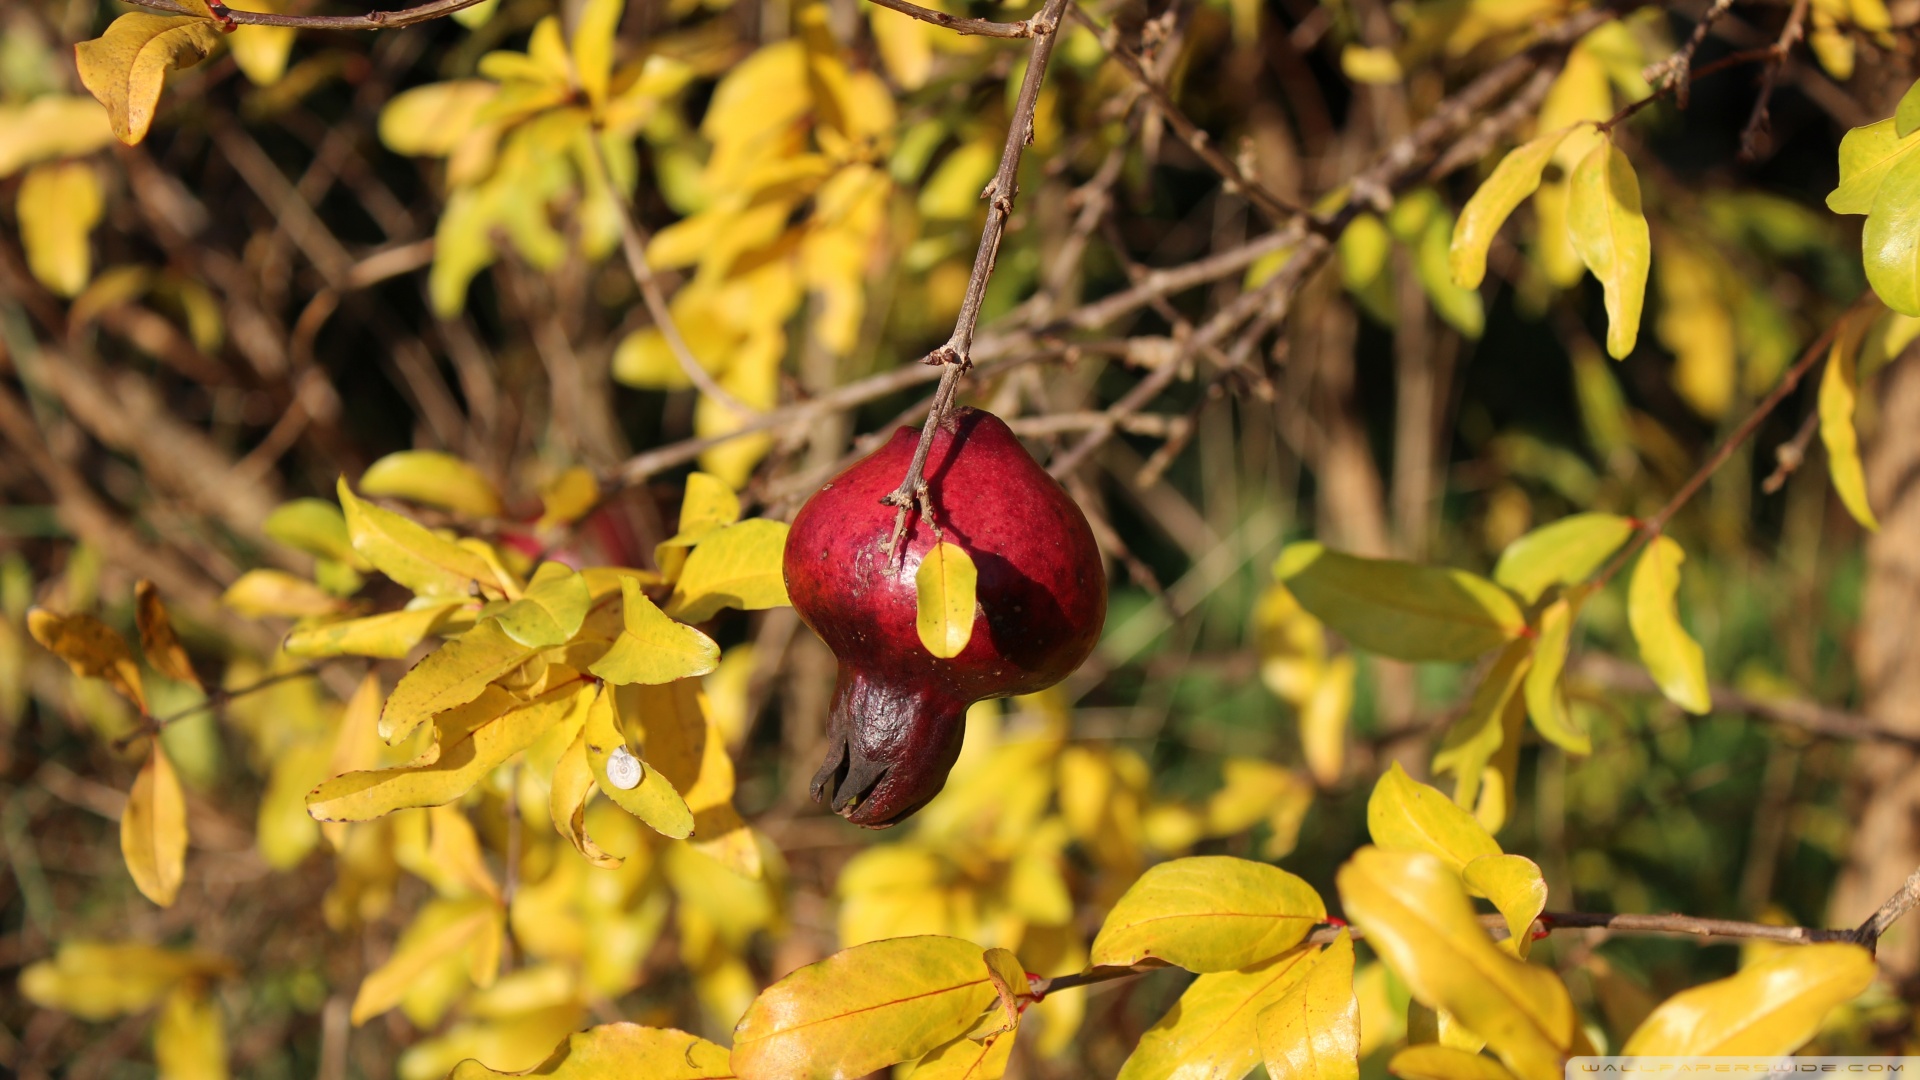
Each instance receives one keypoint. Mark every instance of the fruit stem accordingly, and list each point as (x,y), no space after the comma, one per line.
(956,354)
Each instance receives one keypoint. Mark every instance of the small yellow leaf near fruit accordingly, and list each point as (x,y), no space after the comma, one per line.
(58,207)
(1516,177)
(127,66)
(1839,396)
(567,802)
(1212,1030)
(1609,230)
(612,1051)
(707,506)
(432,478)
(1208,913)
(863,1009)
(652,648)
(944,597)
(1772,1007)
(736,566)
(1398,609)
(1416,915)
(91,649)
(651,798)
(1406,815)
(157,639)
(1313,1031)
(1670,654)
(153,829)
(551,609)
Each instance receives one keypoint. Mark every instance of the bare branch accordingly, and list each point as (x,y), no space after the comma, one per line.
(978,27)
(372,20)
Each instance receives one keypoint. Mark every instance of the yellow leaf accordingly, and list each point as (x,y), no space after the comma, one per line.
(98,981)
(708,506)
(945,607)
(451,675)
(157,639)
(568,497)
(153,829)
(127,66)
(1566,552)
(905,45)
(737,566)
(1867,155)
(433,120)
(1517,889)
(283,832)
(261,51)
(1890,243)
(412,556)
(863,1009)
(189,1040)
(1313,1031)
(1516,177)
(621,1050)
(434,479)
(48,127)
(260,594)
(1404,815)
(1212,1030)
(653,648)
(1416,915)
(551,609)
(572,784)
(471,741)
(1546,703)
(1480,732)
(1398,609)
(1431,1061)
(59,205)
(965,1058)
(389,636)
(1010,982)
(91,649)
(314,526)
(1906,116)
(1839,391)
(593,35)
(443,929)
(1610,233)
(1208,913)
(1374,66)
(1323,721)
(1697,327)
(1671,656)
(1772,1007)
(628,780)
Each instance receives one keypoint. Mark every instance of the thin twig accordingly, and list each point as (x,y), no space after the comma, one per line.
(978,27)
(1760,121)
(1675,70)
(1898,904)
(1612,673)
(956,354)
(1792,454)
(372,20)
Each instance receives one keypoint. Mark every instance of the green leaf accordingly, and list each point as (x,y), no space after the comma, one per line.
(389,636)
(1567,552)
(412,556)
(1867,154)
(944,600)
(1212,1030)
(551,609)
(1772,1007)
(1512,181)
(1890,243)
(1208,913)
(1906,115)
(127,66)
(471,741)
(1416,915)
(1313,1031)
(1546,703)
(1397,609)
(433,479)
(1671,656)
(737,566)
(1610,233)
(316,527)
(1517,888)
(620,1051)
(652,648)
(1406,815)
(863,1009)
(651,797)
(1839,395)
(450,676)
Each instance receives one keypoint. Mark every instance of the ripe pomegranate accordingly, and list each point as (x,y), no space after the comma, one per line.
(898,711)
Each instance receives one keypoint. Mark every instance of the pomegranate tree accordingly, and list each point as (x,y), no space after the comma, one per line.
(898,711)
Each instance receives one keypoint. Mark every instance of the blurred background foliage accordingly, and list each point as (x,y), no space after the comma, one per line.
(335,246)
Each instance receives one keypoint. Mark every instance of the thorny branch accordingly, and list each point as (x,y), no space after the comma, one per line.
(956,354)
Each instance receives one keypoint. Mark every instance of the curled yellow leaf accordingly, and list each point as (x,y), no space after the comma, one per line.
(127,66)
(91,649)
(1839,395)
(1670,654)
(1609,230)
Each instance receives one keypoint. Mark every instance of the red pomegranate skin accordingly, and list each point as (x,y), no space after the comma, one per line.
(899,712)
